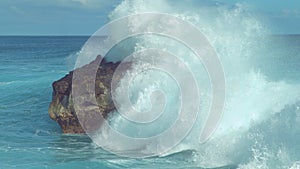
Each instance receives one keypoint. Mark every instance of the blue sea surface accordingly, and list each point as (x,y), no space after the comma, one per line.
(30,139)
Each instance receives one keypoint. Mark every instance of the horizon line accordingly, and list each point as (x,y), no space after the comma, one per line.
(57,35)
(45,35)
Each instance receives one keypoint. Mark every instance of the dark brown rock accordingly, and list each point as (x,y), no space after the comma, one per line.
(61,108)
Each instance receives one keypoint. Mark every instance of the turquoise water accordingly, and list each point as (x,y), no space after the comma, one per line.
(29,139)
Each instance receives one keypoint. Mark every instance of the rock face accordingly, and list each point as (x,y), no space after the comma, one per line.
(61,108)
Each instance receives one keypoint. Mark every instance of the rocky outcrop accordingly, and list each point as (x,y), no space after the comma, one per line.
(61,108)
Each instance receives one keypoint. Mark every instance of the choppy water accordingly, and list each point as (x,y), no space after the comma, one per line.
(29,139)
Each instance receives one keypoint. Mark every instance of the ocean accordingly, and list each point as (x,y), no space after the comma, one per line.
(260,123)
(29,139)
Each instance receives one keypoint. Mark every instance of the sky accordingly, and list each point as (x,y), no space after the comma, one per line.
(282,15)
(84,17)
(53,17)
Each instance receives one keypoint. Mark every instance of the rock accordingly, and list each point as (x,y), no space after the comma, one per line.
(61,108)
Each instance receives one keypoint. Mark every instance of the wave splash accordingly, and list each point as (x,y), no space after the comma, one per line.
(256,108)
